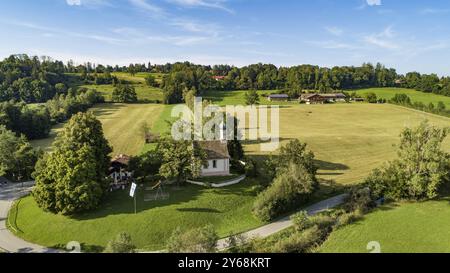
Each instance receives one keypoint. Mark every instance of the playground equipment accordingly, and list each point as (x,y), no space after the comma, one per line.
(158,194)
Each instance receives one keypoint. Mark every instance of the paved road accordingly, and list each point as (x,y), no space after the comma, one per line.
(8,241)
(286,222)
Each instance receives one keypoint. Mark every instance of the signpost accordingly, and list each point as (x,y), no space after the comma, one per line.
(133,194)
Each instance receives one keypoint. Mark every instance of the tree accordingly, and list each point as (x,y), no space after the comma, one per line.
(180,159)
(146,165)
(199,240)
(150,80)
(17,156)
(124,93)
(440,107)
(371,97)
(421,168)
(251,97)
(121,244)
(71,179)
(290,189)
(293,152)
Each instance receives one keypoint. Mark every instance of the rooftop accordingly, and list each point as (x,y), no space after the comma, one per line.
(214,149)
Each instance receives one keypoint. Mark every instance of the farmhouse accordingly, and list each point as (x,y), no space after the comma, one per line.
(312,98)
(219,78)
(119,170)
(278,97)
(334,97)
(218,158)
(316,98)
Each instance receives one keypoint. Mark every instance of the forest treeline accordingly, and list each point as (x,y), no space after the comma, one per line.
(33,79)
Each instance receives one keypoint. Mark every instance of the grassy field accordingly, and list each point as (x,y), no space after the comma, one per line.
(228,209)
(349,140)
(399,228)
(144,92)
(416,96)
(122,124)
(139,77)
(223,98)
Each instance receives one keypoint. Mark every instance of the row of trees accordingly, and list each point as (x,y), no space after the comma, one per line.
(292,80)
(404,100)
(426,83)
(35,122)
(31,79)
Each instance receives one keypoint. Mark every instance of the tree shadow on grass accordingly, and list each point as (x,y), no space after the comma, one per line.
(106,109)
(119,202)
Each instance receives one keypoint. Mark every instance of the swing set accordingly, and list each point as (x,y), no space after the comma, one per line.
(158,193)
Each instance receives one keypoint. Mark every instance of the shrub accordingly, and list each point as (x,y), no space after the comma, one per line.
(289,190)
(300,242)
(323,221)
(251,168)
(359,199)
(237,244)
(301,221)
(199,240)
(121,244)
(349,218)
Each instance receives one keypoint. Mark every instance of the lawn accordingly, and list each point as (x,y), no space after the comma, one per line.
(399,228)
(122,124)
(349,140)
(416,96)
(228,209)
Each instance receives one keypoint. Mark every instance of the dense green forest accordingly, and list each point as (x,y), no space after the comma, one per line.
(292,80)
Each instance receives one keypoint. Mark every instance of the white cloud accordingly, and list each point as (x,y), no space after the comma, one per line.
(214,4)
(73,2)
(374,2)
(383,39)
(145,6)
(333,45)
(334,31)
(434,11)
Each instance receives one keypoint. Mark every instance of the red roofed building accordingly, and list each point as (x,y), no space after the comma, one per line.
(219,78)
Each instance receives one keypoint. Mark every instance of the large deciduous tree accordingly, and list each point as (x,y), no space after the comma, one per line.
(421,168)
(72,178)
(180,159)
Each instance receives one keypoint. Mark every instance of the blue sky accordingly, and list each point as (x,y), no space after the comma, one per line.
(405,34)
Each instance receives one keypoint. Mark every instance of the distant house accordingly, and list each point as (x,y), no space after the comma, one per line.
(218,158)
(219,78)
(358,99)
(119,170)
(316,98)
(278,97)
(312,98)
(334,97)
